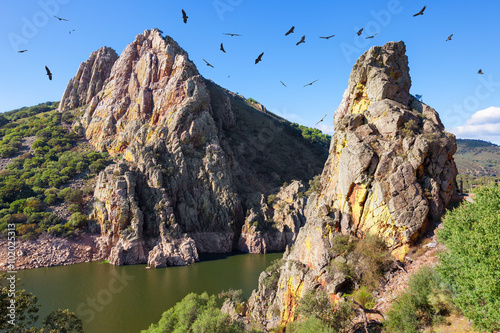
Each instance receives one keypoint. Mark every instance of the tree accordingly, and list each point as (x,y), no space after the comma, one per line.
(471,266)
(26,309)
(195,313)
(62,321)
(26,306)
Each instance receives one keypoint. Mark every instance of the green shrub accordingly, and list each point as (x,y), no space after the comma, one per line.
(316,305)
(57,230)
(271,198)
(314,185)
(28,231)
(195,313)
(367,259)
(420,305)
(471,265)
(78,220)
(364,297)
(273,270)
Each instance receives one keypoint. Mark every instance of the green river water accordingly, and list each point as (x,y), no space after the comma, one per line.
(129,298)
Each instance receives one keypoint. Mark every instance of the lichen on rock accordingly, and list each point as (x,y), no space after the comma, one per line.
(389,172)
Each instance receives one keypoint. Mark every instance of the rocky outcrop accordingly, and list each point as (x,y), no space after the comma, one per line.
(390,170)
(275,223)
(192,158)
(89,79)
(391,165)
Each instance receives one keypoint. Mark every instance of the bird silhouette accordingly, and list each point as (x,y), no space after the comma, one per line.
(283,83)
(184,16)
(310,83)
(421,12)
(291,31)
(22,51)
(480,71)
(49,74)
(321,119)
(449,37)
(369,37)
(302,40)
(71,31)
(208,64)
(327,37)
(232,35)
(222,48)
(60,18)
(259,58)
(360,31)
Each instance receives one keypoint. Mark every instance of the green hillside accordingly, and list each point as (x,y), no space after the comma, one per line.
(478,163)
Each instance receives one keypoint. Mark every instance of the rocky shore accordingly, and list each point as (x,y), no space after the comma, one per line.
(49,251)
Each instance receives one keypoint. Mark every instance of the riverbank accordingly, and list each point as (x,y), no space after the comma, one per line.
(47,250)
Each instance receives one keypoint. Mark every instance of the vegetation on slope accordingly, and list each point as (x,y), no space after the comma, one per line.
(40,158)
(196,313)
(478,163)
(471,266)
(465,280)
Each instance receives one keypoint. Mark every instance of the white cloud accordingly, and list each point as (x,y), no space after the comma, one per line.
(487,116)
(482,125)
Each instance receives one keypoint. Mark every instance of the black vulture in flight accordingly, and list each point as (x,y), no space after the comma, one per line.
(310,83)
(369,37)
(22,51)
(259,58)
(232,35)
(49,74)
(421,12)
(291,31)
(302,40)
(327,37)
(321,119)
(480,71)
(184,16)
(283,83)
(360,31)
(222,48)
(208,64)
(449,37)
(60,18)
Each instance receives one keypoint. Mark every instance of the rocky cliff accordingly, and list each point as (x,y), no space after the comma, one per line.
(194,160)
(390,170)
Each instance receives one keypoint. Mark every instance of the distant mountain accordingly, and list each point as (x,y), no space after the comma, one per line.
(477,158)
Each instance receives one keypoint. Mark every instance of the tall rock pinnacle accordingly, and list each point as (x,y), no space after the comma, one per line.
(390,170)
(390,167)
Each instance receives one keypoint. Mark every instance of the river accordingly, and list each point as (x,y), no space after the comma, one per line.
(129,298)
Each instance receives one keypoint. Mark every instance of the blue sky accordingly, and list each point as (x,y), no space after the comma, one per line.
(445,73)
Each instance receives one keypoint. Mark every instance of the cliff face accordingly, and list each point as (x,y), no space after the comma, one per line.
(390,170)
(189,151)
(390,167)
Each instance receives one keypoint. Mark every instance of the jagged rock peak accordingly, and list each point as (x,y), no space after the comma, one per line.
(390,170)
(390,167)
(89,79)
(153,81)
(380,73)
(192,169)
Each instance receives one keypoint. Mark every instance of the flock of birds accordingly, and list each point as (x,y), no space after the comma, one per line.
(47,70)
(259,58)
(303,40)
